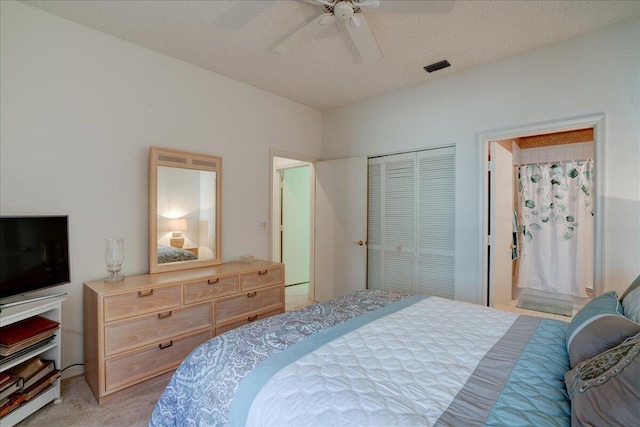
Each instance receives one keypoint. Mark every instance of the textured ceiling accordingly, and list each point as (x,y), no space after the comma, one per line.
(236,39)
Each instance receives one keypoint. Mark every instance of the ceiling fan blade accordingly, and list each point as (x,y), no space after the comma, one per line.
(320,2)
(415,6)
(367,4)
(364,40)
(305,33)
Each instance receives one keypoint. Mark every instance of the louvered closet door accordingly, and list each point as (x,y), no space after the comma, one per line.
(399,229)
(374,224)
(391,250)
(435,261)
(411,222)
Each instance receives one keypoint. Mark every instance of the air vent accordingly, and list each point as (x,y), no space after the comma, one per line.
(206,163)
(437,66)
(172,159)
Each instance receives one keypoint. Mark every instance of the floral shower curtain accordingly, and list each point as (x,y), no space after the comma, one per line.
(555,209)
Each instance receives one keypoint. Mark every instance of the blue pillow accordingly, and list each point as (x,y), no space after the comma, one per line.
(633,286)
(597,327)
(631,305)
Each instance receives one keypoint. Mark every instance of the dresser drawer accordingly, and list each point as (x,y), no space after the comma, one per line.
(262,278)
(141,302)
(248,319)
(150,361)
(128,334)
(212,287)
(248,303)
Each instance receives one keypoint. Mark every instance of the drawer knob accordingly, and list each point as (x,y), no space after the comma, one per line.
(145,293)
(252,294)
(163,346)
(252,318)
(164,315)
(262,272)
(213,282)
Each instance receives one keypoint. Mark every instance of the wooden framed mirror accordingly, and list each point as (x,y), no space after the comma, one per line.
(185,205)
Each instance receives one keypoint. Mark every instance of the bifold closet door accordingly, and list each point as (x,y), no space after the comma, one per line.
(375,224)
(392,223)
(410,222)
(436,222)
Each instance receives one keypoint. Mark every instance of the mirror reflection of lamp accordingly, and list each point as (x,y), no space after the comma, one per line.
(177,226)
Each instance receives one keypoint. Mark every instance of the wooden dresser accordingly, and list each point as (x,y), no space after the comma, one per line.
(145,325)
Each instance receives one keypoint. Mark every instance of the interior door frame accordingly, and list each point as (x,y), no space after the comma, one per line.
(274,205)
(595,121)
(293,226)
(499,257)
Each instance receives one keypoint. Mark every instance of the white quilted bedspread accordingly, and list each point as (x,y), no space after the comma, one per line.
(403,369)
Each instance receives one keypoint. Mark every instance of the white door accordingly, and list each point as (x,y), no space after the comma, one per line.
(501,226)
(341,227)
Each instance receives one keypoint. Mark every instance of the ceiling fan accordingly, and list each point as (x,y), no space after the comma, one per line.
(351,13)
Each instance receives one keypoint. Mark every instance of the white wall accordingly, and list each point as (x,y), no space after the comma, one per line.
(80,109)
(595,73)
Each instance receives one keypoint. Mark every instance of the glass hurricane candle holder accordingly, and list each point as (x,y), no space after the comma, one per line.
(114,258)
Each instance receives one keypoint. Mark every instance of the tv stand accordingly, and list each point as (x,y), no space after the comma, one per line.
(24,299)
(50,308)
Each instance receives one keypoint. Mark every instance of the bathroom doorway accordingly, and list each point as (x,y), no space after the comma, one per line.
(522,150)
(291,231)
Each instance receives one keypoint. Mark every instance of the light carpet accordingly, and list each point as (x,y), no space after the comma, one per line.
(80,409)
(546,308)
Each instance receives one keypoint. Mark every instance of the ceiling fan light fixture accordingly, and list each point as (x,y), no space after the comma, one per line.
(343,10)
(437,66)
(352,14)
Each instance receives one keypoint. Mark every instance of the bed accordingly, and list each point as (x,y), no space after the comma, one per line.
(378,358)
(170,254)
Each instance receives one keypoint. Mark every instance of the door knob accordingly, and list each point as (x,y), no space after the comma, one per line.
(359,243)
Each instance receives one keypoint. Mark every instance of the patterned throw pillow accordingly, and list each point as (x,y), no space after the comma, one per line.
(597,327)
(605,390)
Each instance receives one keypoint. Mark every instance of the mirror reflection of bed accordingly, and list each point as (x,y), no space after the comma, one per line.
(185,206)
(170,254)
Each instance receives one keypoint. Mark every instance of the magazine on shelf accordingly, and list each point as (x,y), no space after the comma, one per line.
(41,385)
(4,377)
(6,359)
(20,335)
(49,366)
(16,333)
(11,387)
(7,351)
(11,403)
(32,370)
(27,368)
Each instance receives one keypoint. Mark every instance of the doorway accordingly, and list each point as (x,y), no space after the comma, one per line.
(291,234)
(295,226)
(499,255)
(338,206)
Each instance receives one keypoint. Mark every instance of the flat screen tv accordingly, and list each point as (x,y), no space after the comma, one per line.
(34,253)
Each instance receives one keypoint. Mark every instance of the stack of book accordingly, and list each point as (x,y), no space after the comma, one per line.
(24,382)
(9,387)
(25,335)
